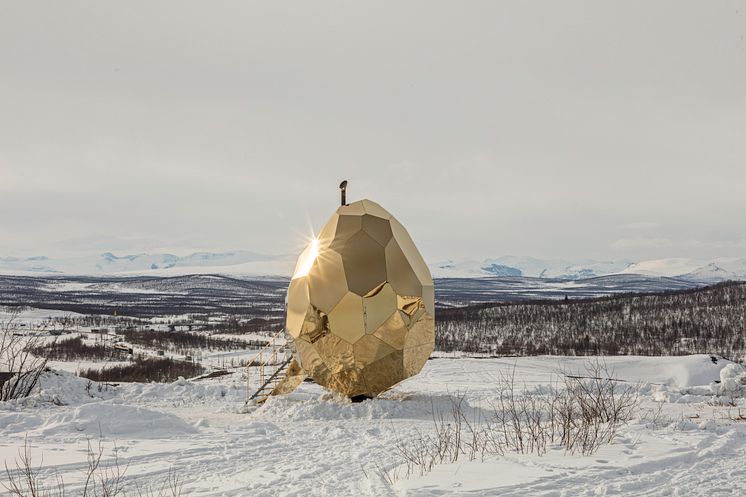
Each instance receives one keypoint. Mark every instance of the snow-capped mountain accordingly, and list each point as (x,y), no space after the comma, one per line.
(721,269)
(674,266)
(165,264)
(246,263)
(528,267)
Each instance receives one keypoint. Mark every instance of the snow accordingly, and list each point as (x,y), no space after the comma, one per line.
(527,267)
(312,442)
(243,263)
(671,267)
(36,315)
(720,269)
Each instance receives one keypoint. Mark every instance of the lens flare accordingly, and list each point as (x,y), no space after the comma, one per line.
(305,261)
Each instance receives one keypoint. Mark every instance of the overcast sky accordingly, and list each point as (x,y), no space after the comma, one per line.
(613,130)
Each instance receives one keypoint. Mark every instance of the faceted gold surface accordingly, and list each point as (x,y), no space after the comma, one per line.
(293,377)
(361,306)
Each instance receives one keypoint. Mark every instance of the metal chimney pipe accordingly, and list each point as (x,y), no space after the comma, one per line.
(343,191)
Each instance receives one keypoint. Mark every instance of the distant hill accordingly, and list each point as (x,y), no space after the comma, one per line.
(246,263)
(265,297)
(713,271)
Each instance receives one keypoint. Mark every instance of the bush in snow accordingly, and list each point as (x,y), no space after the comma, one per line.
(102,478)
(578,414)
(732,382)
(144,369)
(19,367)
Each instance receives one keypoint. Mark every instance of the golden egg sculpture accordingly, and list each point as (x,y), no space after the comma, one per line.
(360,305)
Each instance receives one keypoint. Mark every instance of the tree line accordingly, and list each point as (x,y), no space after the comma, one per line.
(706,320)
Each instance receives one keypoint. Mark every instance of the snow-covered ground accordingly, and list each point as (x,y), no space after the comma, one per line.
(685,439)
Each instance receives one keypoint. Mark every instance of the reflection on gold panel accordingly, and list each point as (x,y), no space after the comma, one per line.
(364,263)
(378,229)
(328,231)
(353,209)
(420,332)
(361,303)
(347,226)
(384,373)
(378,306)
(336,353)
(369,349)
(411,252)
(346,320)
(393,331)
(400,274)
(297,305)
(327,283)
(374,209)
(415,359)
(428,298)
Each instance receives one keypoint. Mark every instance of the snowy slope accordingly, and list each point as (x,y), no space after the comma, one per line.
(665,267)
(721,269)
(313,443)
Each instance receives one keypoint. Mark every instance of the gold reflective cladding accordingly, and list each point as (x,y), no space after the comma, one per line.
(361,313)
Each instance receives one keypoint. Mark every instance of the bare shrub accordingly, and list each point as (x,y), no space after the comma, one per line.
(74,349)
(576,413)
(101,479)
(20,367)
(160,369)
(170,487)
(597,406)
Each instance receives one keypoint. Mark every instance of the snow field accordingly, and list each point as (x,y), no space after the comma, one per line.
(686,440)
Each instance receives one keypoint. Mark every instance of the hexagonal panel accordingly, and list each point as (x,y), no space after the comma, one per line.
(315,326)
(379,304)
(385,372)
(310,360)
(353,209)
(393,331)
(328,231)
(411,253)
(399,273)
(374,209)
(369,349)
(346,319)
(428,298)
(348,380)
(326,280)
(409,304)
(378,229)
(336,353)
(415,358)
(421,332)
(347,226)
(297,305)
(364,262)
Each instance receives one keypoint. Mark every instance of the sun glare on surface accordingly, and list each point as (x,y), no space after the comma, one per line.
(305,261)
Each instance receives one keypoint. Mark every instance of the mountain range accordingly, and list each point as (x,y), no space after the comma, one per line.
(252,264)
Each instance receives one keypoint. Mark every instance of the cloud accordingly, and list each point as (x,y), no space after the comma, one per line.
(640,226)
(641,242)
(486,127)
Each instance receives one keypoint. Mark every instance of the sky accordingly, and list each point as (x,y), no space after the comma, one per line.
(597,129)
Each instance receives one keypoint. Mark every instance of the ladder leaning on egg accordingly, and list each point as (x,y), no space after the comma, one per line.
(268,368)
